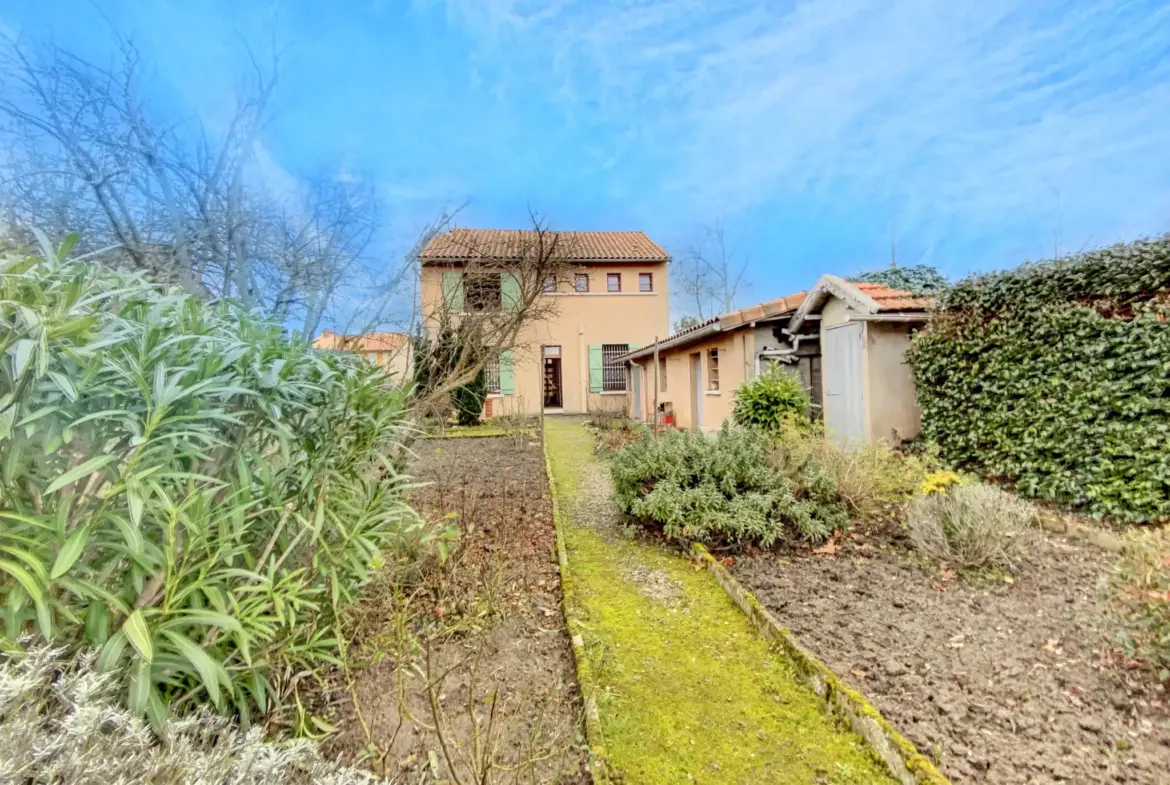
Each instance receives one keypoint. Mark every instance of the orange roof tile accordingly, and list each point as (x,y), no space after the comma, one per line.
(367,342)
(889,299)
(729,321)
(460,244)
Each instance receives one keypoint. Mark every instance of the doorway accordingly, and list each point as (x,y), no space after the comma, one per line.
(696,390)
(553,398)
(844,380)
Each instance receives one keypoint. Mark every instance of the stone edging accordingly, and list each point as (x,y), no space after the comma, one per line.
(904,761)
(598,763)
(1104,540)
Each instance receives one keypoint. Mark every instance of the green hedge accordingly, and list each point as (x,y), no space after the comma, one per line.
(1056,377)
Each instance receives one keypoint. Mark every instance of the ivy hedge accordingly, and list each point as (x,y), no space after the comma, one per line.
(1056,377)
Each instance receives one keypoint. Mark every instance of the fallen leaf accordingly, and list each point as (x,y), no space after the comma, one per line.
(859,673)
(828,549)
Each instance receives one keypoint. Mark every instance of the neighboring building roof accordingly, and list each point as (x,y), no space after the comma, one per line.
(781,306)
(871,299)
(460,244)
(366,342)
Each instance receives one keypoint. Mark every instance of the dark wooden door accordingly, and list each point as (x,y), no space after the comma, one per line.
(552,383)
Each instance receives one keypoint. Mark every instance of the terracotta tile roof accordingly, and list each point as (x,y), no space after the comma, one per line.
(893,299)
(510,243)
(729,321)
(367,342)
(777,307)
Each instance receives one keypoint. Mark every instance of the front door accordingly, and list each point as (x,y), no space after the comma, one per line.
(552,378)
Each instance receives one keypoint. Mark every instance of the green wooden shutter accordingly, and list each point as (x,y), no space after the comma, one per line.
(510,291)
(453,291)
(595,375)
(507,372)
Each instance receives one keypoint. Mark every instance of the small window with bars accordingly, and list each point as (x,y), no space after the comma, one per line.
(613,282)
(491,375)
(713,370)
(613,372)
(645,282)
(581,283)
(550,284)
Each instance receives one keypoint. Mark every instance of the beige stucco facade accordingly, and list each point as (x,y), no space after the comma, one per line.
(893,413)
(689,390)
(579,321)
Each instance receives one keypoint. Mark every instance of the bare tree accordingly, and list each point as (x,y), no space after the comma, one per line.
(709,277)
(503,288)
(86,152)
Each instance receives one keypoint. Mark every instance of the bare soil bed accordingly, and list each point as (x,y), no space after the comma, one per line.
(470,676)
(1001,683)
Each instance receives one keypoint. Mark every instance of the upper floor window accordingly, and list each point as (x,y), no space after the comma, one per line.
(550,284)
(613,373)
(645,282)
(482,292)
(613,282)
(581,283)
(713,370)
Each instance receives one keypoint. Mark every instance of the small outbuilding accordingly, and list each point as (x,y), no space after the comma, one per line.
(865,331)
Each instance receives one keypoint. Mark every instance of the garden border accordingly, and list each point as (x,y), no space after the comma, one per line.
(599,759)
(902,758)
(1062,524)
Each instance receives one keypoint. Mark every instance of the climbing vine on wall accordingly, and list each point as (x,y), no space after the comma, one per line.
(921,279)
(1056,377)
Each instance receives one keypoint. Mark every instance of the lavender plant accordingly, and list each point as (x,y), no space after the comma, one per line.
(62,721)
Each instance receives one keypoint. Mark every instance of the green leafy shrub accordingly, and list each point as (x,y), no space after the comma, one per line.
(468,400)
(183,488)
(972,527)
(1140,588)
(920,279)
(771,401)
(1054,376)
(60,721)
(724,490)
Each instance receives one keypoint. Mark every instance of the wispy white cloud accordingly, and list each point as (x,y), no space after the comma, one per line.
(955,117)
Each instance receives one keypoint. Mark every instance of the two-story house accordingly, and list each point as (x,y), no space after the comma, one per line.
(612,299)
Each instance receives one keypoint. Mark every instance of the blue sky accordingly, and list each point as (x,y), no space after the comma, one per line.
(973,130)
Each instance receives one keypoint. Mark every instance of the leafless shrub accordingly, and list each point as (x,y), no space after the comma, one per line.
(61,722)
(972,527)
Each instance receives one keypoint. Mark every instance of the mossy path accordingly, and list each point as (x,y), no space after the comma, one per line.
(686,689)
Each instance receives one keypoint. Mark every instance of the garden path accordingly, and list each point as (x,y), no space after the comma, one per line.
(687,691)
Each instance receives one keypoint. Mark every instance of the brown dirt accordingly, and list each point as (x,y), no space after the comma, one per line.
(1002,683)
(486,626)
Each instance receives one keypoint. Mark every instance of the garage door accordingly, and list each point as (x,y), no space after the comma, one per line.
(844,382)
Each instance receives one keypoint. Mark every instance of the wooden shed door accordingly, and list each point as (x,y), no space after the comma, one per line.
(844,381)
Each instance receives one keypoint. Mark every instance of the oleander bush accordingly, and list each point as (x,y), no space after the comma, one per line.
(725,489)
(183,488)
(771,401)
(62,722)
(1055,377)
(972,526)
(1140,589)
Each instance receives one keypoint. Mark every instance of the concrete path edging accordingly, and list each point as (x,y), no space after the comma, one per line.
(598,760)
(901,757)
